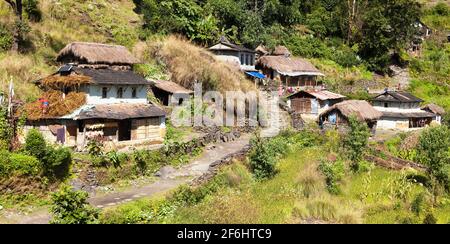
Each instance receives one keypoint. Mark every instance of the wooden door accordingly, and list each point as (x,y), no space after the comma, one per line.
(301,105)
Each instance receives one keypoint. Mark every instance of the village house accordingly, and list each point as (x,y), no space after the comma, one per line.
(290,72)
(337,116)
(96,94)
(164,91)
(423,32)
(402,111)
(311,103)
(242,57)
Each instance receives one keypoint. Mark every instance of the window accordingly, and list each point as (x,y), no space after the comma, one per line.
(120,92)
(134,92)
(247,59)
(242,59)
(386,105)
(105,92)
(252,60)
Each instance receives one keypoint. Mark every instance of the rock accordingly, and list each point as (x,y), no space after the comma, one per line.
(165,171)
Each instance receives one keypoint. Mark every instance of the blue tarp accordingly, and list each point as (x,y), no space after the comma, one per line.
(256,75)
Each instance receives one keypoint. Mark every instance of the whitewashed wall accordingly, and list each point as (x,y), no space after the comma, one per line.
(95,94)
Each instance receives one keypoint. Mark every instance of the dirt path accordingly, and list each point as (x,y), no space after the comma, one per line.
(171,179)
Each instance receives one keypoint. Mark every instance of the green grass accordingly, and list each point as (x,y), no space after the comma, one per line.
(297,194)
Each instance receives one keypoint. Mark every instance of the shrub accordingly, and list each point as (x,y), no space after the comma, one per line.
(262,159)
(24,164)
(430,219)
(419,203)
(5,127)
(356,141)
(35,144)
(57,161)
(71,207)
(5,163)
(433,151)
(116,159)
(32,9)
(6,38)
(94,147)
(333,172)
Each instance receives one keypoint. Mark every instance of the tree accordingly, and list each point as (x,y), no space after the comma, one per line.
(433,151)
(71,207)
(387,25)
(17,7)
(356,141)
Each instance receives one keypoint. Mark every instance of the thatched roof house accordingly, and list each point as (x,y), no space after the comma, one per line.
(96,53)
(234,54)
(281,51)
(433,108)
(339,113)
(289,66)
(164,91)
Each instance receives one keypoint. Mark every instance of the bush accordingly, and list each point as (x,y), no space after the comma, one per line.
(5,127)
(24,164)
(262,159)
(433,151)
(430,219)
(57,162)
(71,207)
(5,163)
(94,147)
(356,141)
(32,9)
(6,38)
(333,172)
(35,144)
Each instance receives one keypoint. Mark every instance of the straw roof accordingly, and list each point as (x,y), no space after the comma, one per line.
(359,108)
(281,51)
(225,45)
(262,49)
(96,53)
(433,108)
(58,105)
(58,81)
(289,66)
(171,87)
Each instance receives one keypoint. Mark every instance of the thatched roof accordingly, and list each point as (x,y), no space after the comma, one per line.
(289,66)
(262,50)
(433,108)
(96,53)
(171,87)
(59,105)
(359,108)
(225,45)
(281,51)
